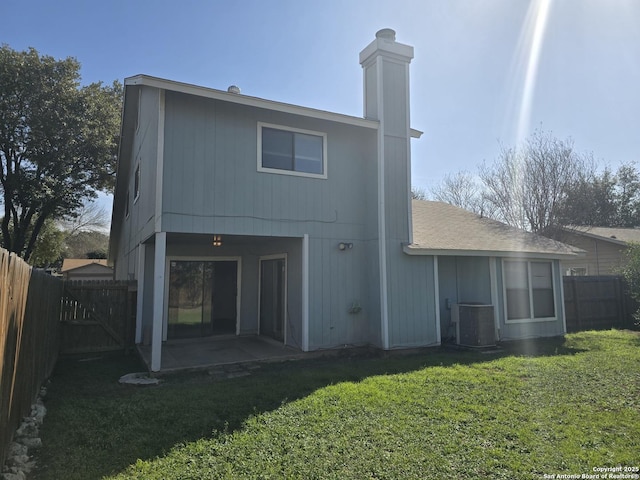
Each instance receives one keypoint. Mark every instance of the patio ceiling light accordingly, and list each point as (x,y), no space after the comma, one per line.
(217,240)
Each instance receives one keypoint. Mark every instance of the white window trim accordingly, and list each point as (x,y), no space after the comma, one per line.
(279,171)
(553,286)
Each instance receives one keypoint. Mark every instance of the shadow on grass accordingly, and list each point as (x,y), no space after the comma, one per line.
(96,427)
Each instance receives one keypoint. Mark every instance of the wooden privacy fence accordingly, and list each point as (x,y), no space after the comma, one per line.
(593,303)
(29,339)
(97,316)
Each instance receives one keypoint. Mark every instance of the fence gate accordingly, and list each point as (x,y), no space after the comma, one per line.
(97,316)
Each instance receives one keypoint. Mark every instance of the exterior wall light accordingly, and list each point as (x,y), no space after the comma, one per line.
(345,246)
(217,240)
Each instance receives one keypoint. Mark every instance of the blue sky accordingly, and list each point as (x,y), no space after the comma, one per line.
(484,73)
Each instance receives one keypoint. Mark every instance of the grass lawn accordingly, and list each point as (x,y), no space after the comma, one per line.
(559,408)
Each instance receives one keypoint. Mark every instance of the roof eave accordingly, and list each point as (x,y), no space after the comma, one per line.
(417,250)
(247,100)
(615,241)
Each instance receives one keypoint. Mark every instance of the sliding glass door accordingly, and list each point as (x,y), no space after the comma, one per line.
(202,298)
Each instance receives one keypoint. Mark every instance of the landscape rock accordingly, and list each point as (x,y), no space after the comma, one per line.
(18,463)
(38,412)
(17,449)
(27,429)
(31,443)
(139,378)
(13,476)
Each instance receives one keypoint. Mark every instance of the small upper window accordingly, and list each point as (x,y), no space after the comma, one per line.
(292,151)
(136,184)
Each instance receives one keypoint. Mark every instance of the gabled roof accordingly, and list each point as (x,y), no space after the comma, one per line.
(73,263)
(442,229)
(242,99)
(619,236)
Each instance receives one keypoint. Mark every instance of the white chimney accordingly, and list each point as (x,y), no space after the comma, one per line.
(386,75)
(385,64)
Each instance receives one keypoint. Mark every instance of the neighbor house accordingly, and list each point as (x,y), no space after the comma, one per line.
(604,249)
(86,269)
(238,215)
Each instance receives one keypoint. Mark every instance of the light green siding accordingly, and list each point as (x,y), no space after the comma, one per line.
(212,184)
(139,224)
(412,302)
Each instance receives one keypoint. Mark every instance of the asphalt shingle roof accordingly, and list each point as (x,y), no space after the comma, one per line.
(442,229)
(617,235)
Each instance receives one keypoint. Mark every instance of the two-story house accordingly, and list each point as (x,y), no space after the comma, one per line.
(239,215)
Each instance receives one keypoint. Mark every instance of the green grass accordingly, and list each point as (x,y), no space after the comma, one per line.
(561,408)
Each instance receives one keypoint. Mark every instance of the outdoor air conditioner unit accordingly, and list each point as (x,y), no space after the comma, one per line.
(474,325)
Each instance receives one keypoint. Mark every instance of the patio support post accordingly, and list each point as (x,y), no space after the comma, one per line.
(158,299)
(436,285)
(140,297)
(305,293)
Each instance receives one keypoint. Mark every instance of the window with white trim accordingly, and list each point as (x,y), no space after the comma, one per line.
(529,291)
(292,151)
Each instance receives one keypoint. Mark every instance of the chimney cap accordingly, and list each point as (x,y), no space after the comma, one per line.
(233,89)
(386,34)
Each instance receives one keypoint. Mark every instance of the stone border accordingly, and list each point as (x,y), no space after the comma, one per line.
(26,439)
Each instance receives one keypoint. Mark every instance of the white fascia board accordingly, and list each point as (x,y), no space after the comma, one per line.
(249,101)
(409,250)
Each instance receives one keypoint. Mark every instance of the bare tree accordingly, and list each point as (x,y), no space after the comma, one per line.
(463,190)
(419,193)
(527,185)
(90,217)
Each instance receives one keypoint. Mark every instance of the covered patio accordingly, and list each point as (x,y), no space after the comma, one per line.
(219,350)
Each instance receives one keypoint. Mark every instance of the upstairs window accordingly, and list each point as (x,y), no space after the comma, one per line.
(529,291)
(291,151)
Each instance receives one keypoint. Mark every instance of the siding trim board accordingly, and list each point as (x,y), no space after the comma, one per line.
(160,161)
(436,283)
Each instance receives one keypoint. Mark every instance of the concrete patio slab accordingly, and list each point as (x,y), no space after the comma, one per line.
(214,351)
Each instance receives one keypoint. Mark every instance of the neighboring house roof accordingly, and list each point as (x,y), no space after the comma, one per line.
(442,229)
(73,263)
(619,236)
